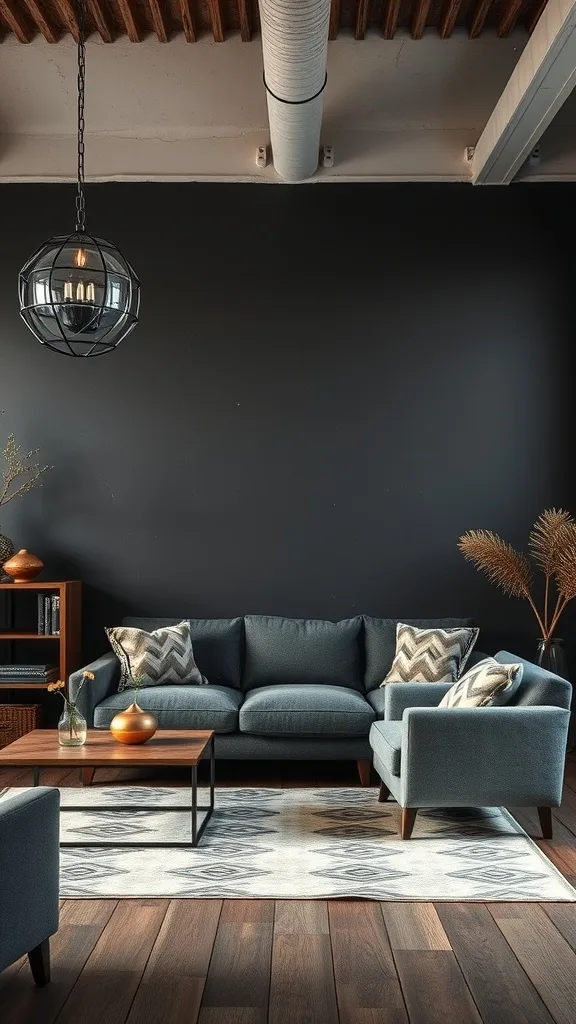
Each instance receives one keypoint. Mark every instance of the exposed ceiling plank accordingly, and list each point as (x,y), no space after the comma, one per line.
(509,17)
(390,23)
(535,16)
(188,21)
(44,24)
(419,16)
(216,19)
(361,19)
(479,17)
(17,23)
(158,20)
(127,11)
(542,79)
(448,18)
(66,8)
(102,20)
(334,19)
(244,16)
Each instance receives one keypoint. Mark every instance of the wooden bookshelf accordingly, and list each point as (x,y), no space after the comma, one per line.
(63,649)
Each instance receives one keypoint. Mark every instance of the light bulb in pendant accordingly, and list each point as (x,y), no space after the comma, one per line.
(80,258)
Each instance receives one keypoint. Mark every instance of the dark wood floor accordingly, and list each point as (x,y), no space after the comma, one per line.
(307,962)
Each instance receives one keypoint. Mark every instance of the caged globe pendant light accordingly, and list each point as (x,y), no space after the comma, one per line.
(78,294)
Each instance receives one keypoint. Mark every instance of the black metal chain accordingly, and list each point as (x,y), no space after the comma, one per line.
(80,203)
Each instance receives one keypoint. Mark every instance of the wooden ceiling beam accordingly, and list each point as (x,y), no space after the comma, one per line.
(158,20)
(479,17)
(419,17)
(48,30)
(19,25)
(128,17)
(535,16)
(334,19)
(538,86)
(68,16)
(187,18)
(390,23)
(448,18)
(245,24)
(361,19)
(102,20)
(509,17)
(216,19)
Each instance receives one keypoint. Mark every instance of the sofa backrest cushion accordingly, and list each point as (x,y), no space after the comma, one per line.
(539,688)
(380,643)
(217,645)
(280,650)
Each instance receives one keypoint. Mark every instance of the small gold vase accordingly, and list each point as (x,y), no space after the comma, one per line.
(133,725)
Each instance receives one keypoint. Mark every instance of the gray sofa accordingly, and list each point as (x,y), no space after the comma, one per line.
(301,689)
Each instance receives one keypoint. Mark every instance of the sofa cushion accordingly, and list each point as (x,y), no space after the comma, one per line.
(217,645)
(488,684)
(305,710)
(380,643)
(295,651)
(386,742)
(162,657)
(178,707)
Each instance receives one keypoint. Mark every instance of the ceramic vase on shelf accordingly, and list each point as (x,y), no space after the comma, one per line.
(71,727)
(133,725)
(6,552)
(23,566)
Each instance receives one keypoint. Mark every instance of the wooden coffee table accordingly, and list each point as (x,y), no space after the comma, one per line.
(167,748)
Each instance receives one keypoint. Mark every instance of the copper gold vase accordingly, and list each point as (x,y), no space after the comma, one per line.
(23,566)
(133,725)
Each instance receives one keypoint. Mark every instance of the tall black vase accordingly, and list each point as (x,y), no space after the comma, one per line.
(551,655)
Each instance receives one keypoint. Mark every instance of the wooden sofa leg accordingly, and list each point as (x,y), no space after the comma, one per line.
(87,776)
(39,959)
(545,815)
(383,794)
(408,819)
(364,770)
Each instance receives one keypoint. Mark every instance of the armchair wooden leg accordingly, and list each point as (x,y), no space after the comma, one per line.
(545,815)
(408,819)
(87,776)
(383,794)
(39,959)
(364,770)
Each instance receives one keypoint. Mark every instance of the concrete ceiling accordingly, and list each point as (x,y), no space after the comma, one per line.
(394,110)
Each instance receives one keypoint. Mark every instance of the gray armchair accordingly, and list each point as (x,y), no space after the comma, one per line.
(510,756)
(29,874)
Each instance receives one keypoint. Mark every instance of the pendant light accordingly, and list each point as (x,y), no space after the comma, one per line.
(78,294)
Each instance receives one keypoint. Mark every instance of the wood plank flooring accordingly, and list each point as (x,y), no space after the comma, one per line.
(306,961)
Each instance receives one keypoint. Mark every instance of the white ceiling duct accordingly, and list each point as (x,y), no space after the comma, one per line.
(294,45)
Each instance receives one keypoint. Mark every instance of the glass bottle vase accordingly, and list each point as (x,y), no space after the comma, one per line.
(551,656)
(71,727)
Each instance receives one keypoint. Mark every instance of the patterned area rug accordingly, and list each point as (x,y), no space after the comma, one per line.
(299,844)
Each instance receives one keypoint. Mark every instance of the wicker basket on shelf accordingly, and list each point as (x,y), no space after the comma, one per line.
(16,720)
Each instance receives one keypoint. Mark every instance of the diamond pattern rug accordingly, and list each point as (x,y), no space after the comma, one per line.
(301,844)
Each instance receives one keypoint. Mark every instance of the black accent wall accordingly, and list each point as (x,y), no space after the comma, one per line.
(327,387)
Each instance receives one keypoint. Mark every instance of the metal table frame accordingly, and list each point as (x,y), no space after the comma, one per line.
(196,830)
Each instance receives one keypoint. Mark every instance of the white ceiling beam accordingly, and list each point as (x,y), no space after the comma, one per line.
(541,81)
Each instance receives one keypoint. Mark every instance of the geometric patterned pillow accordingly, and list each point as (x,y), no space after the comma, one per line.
(488,684)
(152,659)
(430,655)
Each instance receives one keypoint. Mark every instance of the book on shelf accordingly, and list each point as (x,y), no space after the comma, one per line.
(48,615)
(28,673)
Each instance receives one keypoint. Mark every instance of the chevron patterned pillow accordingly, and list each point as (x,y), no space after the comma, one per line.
(430,655)
(163,656)
(488,684)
